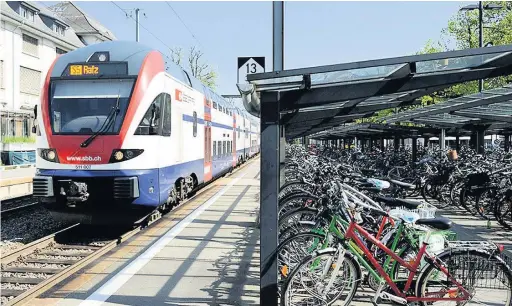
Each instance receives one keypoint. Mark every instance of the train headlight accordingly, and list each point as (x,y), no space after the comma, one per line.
(48,154)
(51,155)
(120,155)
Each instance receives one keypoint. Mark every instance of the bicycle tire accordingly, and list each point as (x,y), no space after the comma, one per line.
(445,256)
(329,252)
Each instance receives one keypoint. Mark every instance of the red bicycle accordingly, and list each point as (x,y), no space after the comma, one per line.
(452,277)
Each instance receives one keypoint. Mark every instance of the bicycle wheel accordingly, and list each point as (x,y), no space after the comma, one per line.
(294,249)
(292,217)
(295,202)
(307,282)
(484,203)
(503,211)
(473,269)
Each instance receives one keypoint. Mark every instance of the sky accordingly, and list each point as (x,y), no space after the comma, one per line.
(316,33)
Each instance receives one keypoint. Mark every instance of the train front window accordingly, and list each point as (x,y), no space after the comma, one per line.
(82,106)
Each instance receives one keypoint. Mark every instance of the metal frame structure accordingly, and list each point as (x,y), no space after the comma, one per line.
(310,100)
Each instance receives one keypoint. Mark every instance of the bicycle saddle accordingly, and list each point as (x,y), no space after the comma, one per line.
(392,202)
(440,223)
(402,184)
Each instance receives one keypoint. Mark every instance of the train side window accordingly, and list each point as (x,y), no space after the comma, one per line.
(194,128)
(215,105)
(219,147)
(166,115)
(238,132)
(151,123)
(224,147)
(214,148)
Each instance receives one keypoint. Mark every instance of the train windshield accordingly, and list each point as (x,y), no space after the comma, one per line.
(81,107)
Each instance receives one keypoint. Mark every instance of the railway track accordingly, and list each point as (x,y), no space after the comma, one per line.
(40,265)
(30,271)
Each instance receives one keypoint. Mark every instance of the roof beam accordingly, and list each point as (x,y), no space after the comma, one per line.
(478,115)
(379,62)
(294,99)
(451,106)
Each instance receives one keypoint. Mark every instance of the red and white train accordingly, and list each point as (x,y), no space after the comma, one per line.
(122,133)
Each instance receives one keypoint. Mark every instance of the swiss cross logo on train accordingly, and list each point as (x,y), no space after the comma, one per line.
(179,95)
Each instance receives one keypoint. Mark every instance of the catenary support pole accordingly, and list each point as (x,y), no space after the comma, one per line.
(137,24)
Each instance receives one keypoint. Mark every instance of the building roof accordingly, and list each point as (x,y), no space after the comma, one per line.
(9,9)
(80,21)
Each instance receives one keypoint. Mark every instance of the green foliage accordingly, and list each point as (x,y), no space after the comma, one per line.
(18,139)
(462,31)
(197,67)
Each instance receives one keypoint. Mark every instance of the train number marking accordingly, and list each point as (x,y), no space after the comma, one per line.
(83,167)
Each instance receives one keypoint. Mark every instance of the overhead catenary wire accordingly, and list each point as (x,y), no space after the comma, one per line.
(142,26)
(184,24)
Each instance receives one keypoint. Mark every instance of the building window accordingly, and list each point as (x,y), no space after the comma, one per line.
(60,51)
(27,13)
(30,81)
(59,29)
(30,45)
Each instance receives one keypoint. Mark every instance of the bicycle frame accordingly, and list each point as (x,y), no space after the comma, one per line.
(412,268)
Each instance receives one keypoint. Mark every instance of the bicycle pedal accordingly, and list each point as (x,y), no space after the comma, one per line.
(393,298)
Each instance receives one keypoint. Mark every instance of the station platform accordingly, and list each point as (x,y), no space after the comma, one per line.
(205,252)
(16,181)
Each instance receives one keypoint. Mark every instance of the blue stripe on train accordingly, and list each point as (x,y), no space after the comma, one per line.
(161,179)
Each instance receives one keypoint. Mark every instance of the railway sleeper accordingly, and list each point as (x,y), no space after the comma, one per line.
(22,280)
(51,261)
(31,270)
(11,292)
(61,253)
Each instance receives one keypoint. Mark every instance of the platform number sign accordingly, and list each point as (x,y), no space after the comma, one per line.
(249,65)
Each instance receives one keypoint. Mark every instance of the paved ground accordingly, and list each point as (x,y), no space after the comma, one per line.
(474,228)
(212,259)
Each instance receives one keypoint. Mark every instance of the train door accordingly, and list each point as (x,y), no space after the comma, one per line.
(207,140)
(233,143)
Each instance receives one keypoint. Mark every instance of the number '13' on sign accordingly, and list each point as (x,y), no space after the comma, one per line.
(251,68)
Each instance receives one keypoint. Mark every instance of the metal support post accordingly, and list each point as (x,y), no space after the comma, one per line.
(137,24)
(442,141)
(457,144)
(382,144)
(507,142)
(425,141)
(480,38)
(414,150)
(396,143)
(480,141)
(269,189)
(270,169)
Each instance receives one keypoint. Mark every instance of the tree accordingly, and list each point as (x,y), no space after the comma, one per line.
(196,65)
(462,31)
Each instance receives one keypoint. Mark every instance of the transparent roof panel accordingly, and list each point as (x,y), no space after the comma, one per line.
(453,63)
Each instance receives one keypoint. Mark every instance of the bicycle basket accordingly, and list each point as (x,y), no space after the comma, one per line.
(477,179)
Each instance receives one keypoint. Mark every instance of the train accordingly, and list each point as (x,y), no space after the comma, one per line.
(122,133)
